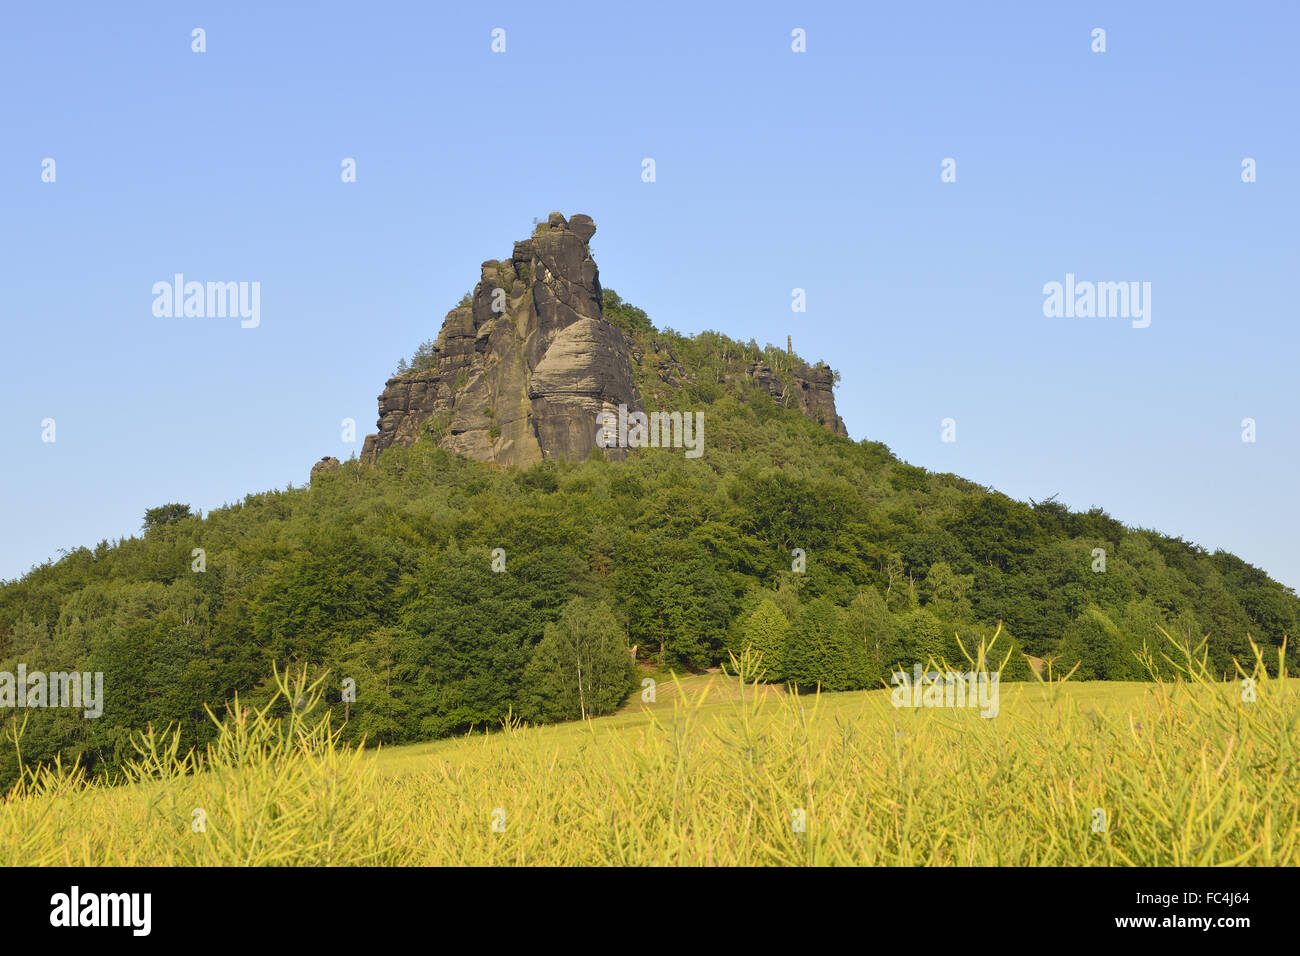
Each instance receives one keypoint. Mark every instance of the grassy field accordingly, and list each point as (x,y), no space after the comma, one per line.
(716,771)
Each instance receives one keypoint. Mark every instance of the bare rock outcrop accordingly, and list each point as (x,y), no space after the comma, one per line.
(813,392)
(521,373)
(326,465)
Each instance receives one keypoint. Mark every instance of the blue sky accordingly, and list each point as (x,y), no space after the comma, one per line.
(775,170)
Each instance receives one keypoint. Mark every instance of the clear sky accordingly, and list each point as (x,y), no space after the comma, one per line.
(775,170)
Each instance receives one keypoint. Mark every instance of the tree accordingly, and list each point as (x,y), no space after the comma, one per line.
(677,598)
(946,592)
(897,596)
(165,514)
(921,638)
(470,634)
(821,651)
(582,667)
(372,665)
(871,625)
(1141,623)
(425,357)
(766,631)
(1100,648)
(623,314)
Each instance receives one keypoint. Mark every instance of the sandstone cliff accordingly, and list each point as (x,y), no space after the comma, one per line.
(521,373)
(814,393)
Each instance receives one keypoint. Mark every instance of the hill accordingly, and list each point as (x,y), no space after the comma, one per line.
(485,546)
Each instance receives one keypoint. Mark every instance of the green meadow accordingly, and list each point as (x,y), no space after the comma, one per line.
(714,771)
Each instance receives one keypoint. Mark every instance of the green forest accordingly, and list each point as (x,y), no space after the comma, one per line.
(449,594)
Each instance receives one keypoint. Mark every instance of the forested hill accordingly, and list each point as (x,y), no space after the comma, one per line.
(384,575)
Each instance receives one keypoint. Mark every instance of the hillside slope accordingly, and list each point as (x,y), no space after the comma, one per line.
(427,579)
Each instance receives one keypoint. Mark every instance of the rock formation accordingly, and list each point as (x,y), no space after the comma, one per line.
(521,373)
(814,393)
(326,465)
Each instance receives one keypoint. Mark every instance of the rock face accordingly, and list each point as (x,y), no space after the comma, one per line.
(817,396)
(814,393)
(522,372)
(326,465)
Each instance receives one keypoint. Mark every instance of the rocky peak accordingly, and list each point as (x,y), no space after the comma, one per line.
(327,465)
(522,371)
(813,393)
